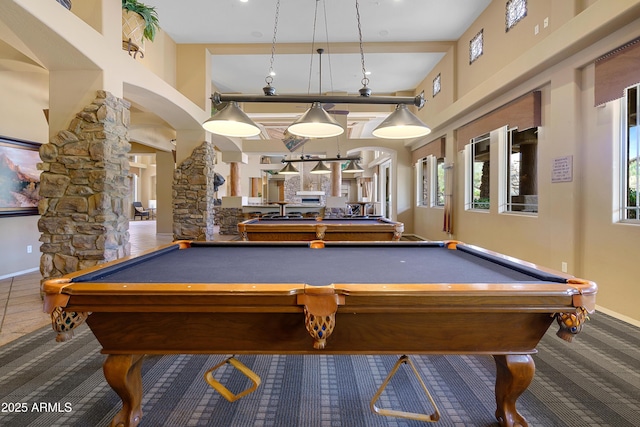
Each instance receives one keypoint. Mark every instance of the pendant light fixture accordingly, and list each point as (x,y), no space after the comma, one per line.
(321,163)
(352,167)
(289,169)
(401,124)
(316,122)
(320,169)
(231,121)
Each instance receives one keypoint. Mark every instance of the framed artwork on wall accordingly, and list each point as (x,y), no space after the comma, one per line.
(19,177)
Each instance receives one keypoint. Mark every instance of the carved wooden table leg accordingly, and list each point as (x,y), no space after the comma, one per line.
(514,373)
(123,373)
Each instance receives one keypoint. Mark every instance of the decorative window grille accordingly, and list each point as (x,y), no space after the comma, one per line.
(515,11)
(436,85)
(476,47)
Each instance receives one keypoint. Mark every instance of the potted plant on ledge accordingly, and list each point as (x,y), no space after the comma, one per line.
(139,23)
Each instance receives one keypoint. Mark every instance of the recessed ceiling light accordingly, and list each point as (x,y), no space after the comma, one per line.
(383,33)
(256,34)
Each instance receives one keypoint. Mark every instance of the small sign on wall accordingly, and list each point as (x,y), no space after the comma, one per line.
(562,169)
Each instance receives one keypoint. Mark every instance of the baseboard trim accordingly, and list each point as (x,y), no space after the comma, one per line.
(19,273)
(619,316)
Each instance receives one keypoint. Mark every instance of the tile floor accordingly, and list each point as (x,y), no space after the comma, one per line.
(20,301)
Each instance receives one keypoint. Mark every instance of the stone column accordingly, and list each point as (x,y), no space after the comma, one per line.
(84,190)
(193,196)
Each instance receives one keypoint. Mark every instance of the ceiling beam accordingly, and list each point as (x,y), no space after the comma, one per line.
(334,48)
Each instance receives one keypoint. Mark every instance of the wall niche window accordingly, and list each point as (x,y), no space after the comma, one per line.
(436,85)
(516,10)
(479,166)
(520,175)
(476,47)
(630,152)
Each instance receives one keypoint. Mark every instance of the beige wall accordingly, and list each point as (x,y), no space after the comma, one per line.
(26,86)
(608,250)
(17,234)
(576,222)
(447,95)
(501,48)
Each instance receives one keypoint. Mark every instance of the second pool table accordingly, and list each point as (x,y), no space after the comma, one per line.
(327,229)
(316,298)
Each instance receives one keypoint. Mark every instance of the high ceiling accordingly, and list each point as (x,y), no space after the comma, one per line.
(400,40)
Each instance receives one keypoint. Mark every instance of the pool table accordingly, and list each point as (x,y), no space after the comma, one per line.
(314,298)
(327,229)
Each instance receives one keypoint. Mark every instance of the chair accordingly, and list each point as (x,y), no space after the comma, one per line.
(138,210)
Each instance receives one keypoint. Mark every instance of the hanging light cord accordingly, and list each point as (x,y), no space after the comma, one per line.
(269,78)
(313,44)
(326,31)
(220,98)
(365,91)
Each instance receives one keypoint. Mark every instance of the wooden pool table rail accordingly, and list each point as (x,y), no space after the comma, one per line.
(319,229)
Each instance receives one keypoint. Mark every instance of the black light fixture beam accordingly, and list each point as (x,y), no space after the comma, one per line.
(326,160)
(418,100)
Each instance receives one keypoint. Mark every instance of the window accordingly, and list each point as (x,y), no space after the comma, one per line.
(476,46)
(478,169)
(630,154)
(430,181)
(439,183)
(516,10)
(422,168)
(436,85)
(520,175)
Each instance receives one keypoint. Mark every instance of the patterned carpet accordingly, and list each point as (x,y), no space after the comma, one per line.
(594,381)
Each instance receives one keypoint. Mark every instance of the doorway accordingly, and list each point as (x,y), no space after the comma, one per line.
(385,186)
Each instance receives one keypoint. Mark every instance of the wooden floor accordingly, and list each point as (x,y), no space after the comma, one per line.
(20,301)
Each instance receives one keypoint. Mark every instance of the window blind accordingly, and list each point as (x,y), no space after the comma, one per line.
(434,148)
(616,71)
(522,113)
